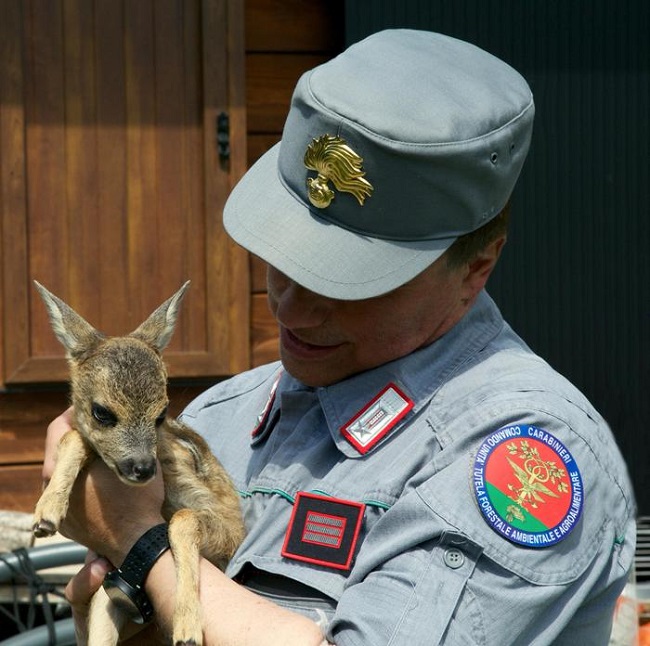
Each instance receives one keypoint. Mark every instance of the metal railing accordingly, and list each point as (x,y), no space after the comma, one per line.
(22,568)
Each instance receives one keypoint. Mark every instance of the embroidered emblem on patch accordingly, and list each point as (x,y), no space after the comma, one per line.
(375,419)
(527,486)
(323,530)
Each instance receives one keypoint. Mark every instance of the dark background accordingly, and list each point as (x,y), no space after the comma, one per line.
(574,280)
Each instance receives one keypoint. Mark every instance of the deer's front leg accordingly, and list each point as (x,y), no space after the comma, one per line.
(105,622)
(72,454)
(185,540)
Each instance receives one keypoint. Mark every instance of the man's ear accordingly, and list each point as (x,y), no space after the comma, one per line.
(480,268)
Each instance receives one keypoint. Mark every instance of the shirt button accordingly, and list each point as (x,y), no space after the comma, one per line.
(453,558)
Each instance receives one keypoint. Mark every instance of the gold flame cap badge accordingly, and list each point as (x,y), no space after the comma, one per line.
(334,161)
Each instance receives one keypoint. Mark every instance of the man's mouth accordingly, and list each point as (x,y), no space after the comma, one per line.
(303,349)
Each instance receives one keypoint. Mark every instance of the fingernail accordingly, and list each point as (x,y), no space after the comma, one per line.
(99,567)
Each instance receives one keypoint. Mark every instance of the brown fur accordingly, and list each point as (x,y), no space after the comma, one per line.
(119,395)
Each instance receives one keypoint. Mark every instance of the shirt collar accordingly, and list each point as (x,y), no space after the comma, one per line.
(418,375)
(415,377)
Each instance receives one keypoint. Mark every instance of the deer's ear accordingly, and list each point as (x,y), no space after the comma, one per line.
(157,330)
(75,333)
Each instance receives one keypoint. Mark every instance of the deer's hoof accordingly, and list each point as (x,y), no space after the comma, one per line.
(44,528)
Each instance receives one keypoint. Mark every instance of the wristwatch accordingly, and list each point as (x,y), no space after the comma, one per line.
(125,585)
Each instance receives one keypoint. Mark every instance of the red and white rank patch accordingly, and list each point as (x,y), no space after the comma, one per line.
(376,418)
(323,530)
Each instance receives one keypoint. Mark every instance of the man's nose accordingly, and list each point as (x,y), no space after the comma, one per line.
(295,306)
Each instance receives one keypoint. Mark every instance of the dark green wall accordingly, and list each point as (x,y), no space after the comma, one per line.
(575,277)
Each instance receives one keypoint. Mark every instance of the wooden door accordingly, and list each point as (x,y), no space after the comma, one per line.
(111,182)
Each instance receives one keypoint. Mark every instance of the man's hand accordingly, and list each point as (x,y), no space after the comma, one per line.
(79,592)
(55,431)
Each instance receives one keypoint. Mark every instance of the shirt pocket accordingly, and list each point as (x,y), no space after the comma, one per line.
(409,581)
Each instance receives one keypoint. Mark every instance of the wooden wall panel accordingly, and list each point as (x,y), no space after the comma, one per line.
(20,486)
(123,186)
(110,96)
(295,25)
(227,266)
(258,275)
(259,143)
(271,79)
(23,420)
(12,177)
(80,166)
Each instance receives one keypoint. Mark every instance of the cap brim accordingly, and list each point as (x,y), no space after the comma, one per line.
(264,217)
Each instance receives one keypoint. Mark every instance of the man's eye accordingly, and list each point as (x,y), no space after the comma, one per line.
(103,415)
(161,418)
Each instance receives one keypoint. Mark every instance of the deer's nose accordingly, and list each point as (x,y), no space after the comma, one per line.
(138,470)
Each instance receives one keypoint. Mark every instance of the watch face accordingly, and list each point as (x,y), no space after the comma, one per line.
(131,601)
(122,601)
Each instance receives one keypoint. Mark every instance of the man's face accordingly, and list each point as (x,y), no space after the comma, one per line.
(323,340)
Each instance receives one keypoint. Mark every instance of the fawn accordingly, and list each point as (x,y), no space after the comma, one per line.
(119,397)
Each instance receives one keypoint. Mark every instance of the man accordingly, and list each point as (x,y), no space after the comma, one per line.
(411,473)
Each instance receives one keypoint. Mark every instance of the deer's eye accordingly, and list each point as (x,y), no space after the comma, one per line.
(161,418)
(103,415)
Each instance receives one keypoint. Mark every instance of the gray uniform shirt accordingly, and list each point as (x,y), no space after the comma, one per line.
(367,492)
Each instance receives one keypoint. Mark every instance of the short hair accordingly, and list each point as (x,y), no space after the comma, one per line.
(468,246)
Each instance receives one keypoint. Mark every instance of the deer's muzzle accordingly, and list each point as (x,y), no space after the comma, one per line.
(138,470)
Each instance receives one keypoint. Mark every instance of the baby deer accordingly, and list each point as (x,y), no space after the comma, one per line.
(119,396)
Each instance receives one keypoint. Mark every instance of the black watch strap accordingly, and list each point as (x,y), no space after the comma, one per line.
(144,553)
(125,585)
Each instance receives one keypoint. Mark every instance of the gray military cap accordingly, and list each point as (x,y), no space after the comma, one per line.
(391,150)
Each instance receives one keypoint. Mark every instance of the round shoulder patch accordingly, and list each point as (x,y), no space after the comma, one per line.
(527,486)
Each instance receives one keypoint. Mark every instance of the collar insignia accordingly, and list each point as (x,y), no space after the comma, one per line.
(527,486)
(376,418)
(334,161)
(263,417)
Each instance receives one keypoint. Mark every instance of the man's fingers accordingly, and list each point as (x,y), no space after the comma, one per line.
(80,590)
(55,431)
(79,593)
(86,582)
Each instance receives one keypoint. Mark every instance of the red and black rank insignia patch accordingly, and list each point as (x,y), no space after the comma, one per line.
(527,486)
(323,530)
